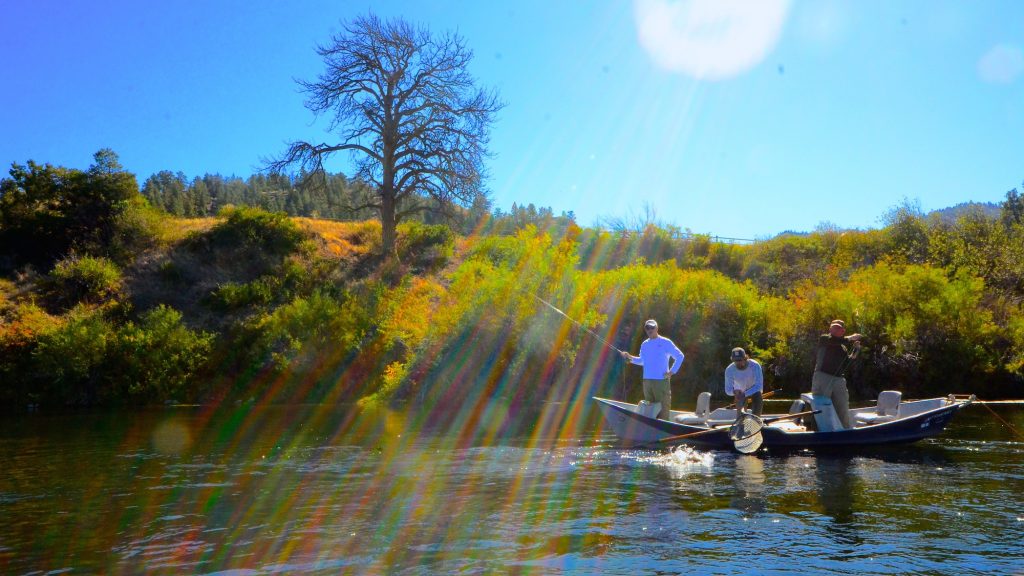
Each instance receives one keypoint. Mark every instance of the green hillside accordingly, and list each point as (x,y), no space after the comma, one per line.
(106,300)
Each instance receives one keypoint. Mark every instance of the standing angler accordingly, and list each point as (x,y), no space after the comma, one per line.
(834,352)
(655,353)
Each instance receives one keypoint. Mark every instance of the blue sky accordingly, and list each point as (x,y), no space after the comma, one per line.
(740,119)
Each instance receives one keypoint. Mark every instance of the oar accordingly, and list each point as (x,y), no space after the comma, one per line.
(725,428)
(592,333)
(768,394)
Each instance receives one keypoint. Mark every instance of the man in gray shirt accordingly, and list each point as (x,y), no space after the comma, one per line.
(744,379)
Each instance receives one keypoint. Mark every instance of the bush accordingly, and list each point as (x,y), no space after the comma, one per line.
(20,328)
(89,360)
(136,229)
(305,326)
(273,233)
(158,359)
(87,280)
(234,296)
(70,361)
(425,246)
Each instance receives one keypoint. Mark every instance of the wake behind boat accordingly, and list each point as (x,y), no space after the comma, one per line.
(890,421)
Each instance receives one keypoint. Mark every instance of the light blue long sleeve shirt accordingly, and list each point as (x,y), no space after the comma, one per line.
(749,381)
(654,357)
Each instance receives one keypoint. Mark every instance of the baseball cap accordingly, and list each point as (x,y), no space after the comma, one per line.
(738,354)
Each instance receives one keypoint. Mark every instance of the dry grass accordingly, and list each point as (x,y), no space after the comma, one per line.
(175,230)
(344,241)
(336,240)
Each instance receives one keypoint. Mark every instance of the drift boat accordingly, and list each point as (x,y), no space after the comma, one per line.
(890,421)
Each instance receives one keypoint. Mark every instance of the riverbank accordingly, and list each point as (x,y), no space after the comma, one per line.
(266,308)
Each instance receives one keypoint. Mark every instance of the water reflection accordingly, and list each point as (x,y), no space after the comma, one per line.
(837,485)
(749,484)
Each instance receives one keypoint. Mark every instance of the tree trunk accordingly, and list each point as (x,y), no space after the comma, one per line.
(388,226)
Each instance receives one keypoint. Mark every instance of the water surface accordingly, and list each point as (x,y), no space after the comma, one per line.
(317,490)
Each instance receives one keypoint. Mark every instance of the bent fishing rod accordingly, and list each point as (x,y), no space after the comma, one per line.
(848,361)
(591,332)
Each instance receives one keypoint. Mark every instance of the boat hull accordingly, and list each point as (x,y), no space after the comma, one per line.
(633,427)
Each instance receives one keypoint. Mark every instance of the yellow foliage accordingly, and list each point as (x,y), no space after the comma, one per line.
(342,240)
(177,229)
(391,380)
(412,311)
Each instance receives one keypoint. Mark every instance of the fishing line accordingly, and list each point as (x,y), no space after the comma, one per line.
(591,332)
(1000,418)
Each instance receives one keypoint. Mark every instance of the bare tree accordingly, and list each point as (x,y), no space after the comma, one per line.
(400,99)
(634,223)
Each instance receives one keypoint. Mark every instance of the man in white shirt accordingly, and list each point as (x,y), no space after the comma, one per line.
(744,379)
(655,355)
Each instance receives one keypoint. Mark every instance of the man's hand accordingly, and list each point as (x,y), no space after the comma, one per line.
(626,355)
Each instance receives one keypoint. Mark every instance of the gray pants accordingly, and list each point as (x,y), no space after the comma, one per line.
(833,387)
(659,391)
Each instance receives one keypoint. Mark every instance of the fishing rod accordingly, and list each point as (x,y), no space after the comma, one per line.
(591,332)
(849,359)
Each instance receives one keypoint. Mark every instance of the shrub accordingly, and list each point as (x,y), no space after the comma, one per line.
(271,232)
(233,295)
(305,326)
(158,358)
(90,360)
(86,279)
(425,246)
(70,360)
(135,229)
(20,328)
(172,272)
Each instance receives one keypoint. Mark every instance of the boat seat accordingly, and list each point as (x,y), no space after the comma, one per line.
(827,420)
(700,415)
(721,416)
(888,408)
(649,409)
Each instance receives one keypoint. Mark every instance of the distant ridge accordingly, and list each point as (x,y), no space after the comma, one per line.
(990,209)
(949,215)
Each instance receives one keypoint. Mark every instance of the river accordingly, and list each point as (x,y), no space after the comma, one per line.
(335,490)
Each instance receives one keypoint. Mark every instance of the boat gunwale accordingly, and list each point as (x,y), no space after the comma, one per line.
(869,435)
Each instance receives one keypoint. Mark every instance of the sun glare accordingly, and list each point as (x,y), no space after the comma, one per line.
(709,39)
